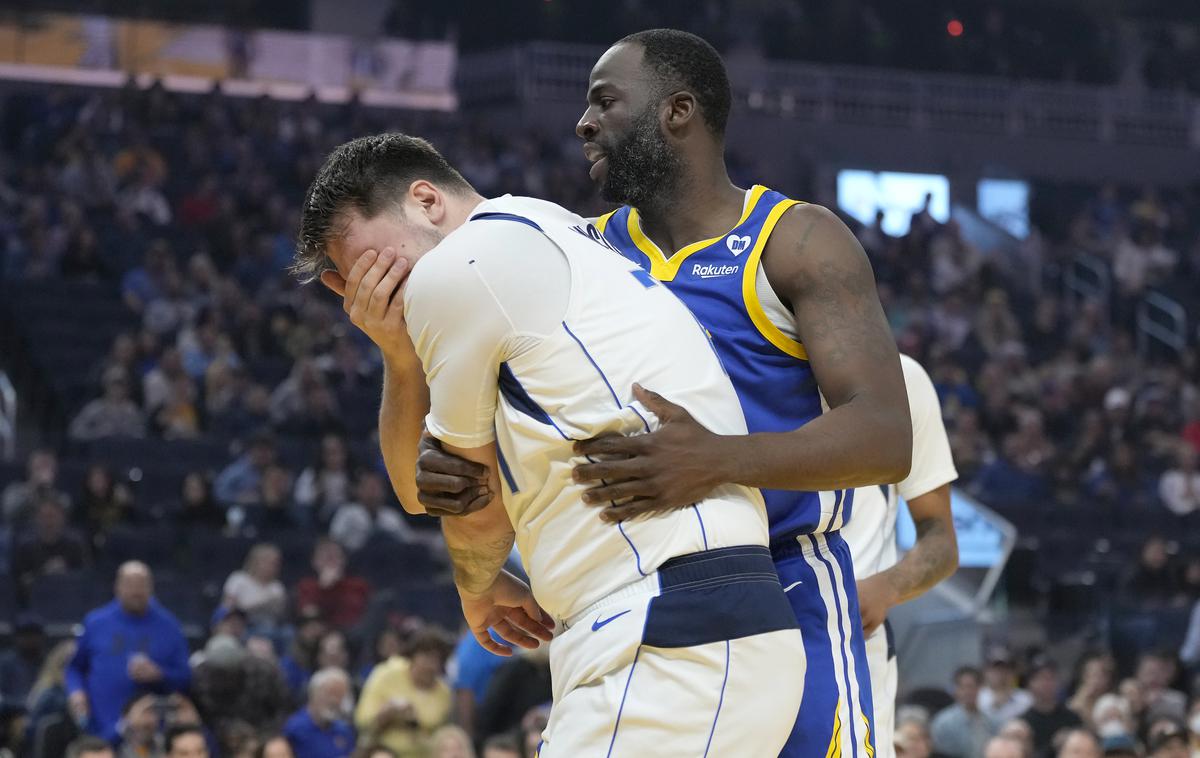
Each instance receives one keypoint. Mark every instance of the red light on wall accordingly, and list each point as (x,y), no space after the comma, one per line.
(954,28)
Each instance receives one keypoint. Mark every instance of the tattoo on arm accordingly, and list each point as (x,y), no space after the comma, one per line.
(930,560)
(476,559)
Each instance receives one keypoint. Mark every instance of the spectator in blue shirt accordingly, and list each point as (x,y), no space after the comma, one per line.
(144,284)
(322,728)
(131,645)
(471,673)
(240,482)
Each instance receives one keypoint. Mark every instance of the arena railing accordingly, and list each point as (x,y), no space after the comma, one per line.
(1163,320)
(1087,278)
(553,71)
(8,419)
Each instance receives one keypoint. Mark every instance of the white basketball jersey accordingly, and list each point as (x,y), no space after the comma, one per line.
(871,533)
(572,380)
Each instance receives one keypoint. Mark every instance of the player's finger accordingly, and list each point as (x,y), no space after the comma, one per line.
(656,403)
(487,643)
(533,620)
(619,491)
(436,460)
(381,296)
(354,279)
(444,505)
(612,444)
(616,470)
(511,634)
(529,625)
(431,481)
(536,614)
(368,284)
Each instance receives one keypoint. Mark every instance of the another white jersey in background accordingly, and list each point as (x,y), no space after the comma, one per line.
(532,334)
(871,532)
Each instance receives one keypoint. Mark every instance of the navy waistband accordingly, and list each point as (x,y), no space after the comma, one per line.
(799,544)
(721,594)
(712,568)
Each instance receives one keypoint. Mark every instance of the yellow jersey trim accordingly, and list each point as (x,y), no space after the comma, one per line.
(602,221)
(769,331)
(665,269)
(867,738)
(835,740)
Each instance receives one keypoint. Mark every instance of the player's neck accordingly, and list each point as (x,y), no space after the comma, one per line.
(459,209)
(705,203)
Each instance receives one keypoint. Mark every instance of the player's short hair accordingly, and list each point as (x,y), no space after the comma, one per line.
(683,61)
(368,175)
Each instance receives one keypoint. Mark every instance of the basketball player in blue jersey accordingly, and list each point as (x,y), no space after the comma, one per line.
(789,299)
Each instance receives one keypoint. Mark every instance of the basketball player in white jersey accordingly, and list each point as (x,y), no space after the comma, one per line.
(506,335)
(884,582)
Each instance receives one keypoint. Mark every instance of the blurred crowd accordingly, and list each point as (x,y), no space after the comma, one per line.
(183,209)
(1030,706)
(279,674)
(1048,395)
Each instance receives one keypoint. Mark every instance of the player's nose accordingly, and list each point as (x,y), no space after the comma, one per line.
(586,128)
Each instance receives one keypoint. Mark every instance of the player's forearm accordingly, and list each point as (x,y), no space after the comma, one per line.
(479,545)
(855,445)
(933,558)
(402,413)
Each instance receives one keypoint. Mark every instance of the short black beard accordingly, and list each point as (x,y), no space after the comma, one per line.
(643,170)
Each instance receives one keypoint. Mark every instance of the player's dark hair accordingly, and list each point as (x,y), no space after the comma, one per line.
(180,730)
(367,175)
(683,61)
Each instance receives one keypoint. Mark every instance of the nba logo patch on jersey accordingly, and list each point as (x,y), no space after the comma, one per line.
(738,245)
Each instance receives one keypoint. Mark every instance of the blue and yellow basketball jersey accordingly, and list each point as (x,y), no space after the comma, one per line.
(717,279)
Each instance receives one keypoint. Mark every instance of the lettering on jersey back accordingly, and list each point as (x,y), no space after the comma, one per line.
(592,233)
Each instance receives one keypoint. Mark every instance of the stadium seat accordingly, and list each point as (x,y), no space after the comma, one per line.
(153,545)
(387,562)
(66,598)
(8,600)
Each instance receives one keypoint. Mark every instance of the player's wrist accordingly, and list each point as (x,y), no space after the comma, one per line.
(720,460)
(402,361)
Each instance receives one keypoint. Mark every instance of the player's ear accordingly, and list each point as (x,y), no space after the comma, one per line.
(334,281)
(428,198)
(681,109)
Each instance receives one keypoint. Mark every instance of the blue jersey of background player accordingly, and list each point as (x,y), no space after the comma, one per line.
(654,129)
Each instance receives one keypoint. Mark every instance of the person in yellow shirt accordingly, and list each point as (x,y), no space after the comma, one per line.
(406,699)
